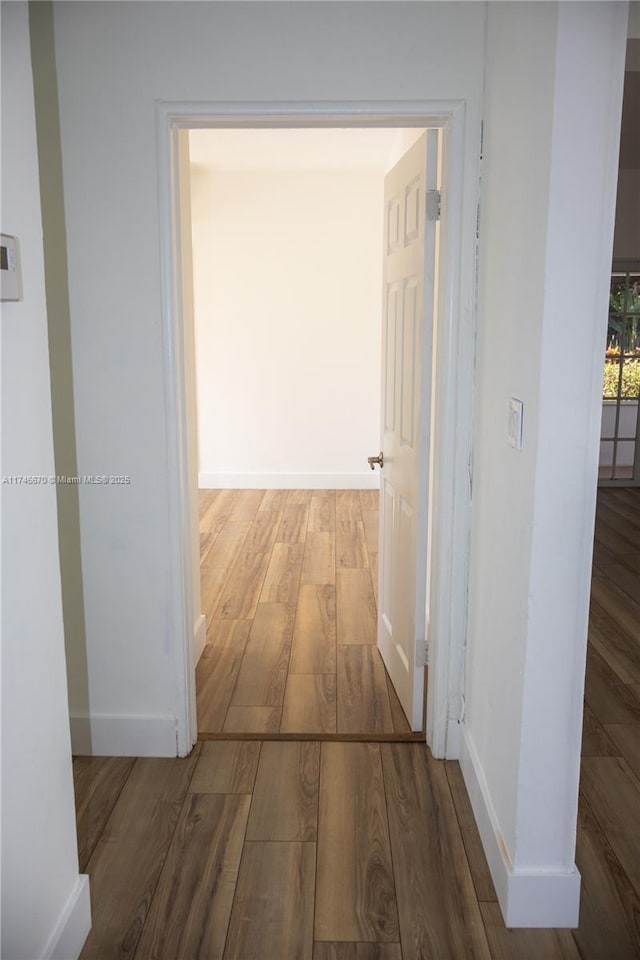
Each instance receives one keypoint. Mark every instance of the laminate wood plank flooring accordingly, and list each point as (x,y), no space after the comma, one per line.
(480,874)
(596,742)
(611,700)
(609,906)
(212,583)
(253,720)
(618,602)
(613,794)
(620,650)
(206,499)
(351,544)
(368,499)
(226,766)
(128,858)
(319,561)
(314,635)
(285,796)
(228,545)
(348,506)
(608,518)
(371,521)
(322,514)
(625,743)
(363,682)
(355,896)
(293,526)
(262,676)
(437,918)
(192,904)
(398,718)
(609,813)
(304,496)
(246,504)
(272,500)
(310,704)
(617,543)
(263,531)
(218,510)
(98,782)
(282,582)
(525,944)
(397,850)
(619,571)
(240,596)
(218,670)
(272,914)
(298,567)
(356,951)
(356,607)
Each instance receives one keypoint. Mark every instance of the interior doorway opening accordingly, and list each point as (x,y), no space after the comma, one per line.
(290,236)
(451,386)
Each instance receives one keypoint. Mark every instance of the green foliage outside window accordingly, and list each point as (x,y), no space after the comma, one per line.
(624,331)
(630,379)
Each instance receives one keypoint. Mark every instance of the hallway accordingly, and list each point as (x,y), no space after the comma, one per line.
(289,588)
(363,851)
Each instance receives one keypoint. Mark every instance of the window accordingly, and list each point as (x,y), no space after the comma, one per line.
(619,456)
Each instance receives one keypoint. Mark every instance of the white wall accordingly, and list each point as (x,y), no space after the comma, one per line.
(114,62)
(288,279)
(544,270)
(45,904)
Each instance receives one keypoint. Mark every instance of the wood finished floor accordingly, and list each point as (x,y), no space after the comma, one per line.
(253,850)
(289,582)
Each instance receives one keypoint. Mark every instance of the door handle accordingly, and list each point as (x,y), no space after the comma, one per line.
(379,460)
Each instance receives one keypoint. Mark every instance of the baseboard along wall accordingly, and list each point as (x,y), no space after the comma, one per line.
(367,480)
(123,735)
(532,898)
(73,926)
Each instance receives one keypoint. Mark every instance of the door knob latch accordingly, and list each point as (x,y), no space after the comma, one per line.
(379,460)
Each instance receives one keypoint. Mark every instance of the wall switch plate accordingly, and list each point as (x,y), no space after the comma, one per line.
(9,268)
(515,423)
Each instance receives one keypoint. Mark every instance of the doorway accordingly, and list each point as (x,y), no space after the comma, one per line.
(288,231)
(454,401)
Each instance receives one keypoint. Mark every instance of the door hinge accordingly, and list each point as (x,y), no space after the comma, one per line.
(434,204)
(422,654)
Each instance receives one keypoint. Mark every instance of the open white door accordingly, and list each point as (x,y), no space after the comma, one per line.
(407,334)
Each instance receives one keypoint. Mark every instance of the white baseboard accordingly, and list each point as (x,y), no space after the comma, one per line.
(73,926)
(121,735)
(533,898)
(199,637)
(367,480)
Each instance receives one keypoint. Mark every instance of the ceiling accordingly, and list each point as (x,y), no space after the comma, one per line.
(364,149)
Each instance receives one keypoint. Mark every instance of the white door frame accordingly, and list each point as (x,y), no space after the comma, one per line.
(453,391)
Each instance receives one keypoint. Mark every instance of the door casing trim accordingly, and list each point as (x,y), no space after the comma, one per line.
(451,468)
